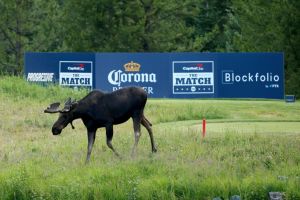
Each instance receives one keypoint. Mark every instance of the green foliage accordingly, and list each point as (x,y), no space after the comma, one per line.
(26,25)
(126,26)
(18,89)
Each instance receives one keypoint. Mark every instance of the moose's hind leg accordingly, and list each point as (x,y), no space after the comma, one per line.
(109,136)
(145,122)
(137,133)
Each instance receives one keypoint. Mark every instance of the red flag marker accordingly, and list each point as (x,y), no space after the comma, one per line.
(203,128)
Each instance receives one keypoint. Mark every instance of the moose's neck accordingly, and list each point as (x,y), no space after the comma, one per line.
(80,112)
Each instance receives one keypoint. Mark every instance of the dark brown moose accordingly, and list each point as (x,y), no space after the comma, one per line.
(99,109)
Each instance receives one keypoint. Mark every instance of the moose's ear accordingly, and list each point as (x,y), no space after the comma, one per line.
(53,108)
(68,102)
(69,105)
(74,103)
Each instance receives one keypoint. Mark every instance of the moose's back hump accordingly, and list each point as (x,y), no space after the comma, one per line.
(118,105)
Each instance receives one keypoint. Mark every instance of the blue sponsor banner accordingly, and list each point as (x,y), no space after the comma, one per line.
(66,69)
(251,75)
(148,70)
(170,75)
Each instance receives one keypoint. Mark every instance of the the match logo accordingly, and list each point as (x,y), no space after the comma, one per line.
(193,77)
(76,73)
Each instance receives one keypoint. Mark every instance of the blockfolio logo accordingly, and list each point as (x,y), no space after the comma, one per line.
(76,73)
(230,77)
(193,77)
(267,80)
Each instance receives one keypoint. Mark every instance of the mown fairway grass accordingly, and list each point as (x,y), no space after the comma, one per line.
(251,148)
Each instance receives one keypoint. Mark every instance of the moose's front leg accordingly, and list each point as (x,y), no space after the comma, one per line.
(91,139)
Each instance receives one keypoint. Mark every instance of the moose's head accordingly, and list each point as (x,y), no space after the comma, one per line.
(66,115)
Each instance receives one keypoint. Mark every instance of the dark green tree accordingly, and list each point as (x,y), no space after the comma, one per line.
(213,25)
(128,25)
(26,25)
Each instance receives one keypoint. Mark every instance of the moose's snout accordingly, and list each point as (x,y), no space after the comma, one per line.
(56,131)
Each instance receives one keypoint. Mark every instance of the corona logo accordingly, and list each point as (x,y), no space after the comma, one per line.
(131,75)
(132,67)
(117,77)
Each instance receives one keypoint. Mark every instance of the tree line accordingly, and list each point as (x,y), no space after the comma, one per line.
(150,26)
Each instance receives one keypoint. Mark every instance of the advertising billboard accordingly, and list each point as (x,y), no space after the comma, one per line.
(148,70)
(251,75)
(164,75)
(65,69)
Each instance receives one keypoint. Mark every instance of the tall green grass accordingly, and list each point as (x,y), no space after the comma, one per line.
(241,157)
(161,110)
(17,89)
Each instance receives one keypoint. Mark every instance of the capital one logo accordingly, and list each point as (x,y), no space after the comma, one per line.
(76,66)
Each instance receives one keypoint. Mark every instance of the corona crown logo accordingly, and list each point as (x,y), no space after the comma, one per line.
(132,67)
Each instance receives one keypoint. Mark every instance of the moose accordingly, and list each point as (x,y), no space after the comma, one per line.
(99,109)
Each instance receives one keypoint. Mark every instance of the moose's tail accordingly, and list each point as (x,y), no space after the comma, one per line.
(147,120)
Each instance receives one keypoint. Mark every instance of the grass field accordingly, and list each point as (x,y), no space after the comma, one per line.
(252,147)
